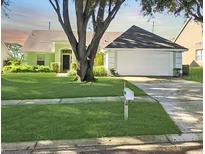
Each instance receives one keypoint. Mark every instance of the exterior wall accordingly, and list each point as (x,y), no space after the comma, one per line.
(58,46)
(110,60)
(177,59)
(191,38)
(50,56)
(4,53)
(30,58)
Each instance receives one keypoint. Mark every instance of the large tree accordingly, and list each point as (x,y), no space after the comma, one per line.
(101,13)
(2,2)
(190,8)
(15,51)
(5,2)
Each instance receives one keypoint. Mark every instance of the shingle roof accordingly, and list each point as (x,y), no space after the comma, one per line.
(42,40)
(136,37)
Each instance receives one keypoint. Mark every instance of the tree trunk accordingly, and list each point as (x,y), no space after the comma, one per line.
(85,70)
(89,76)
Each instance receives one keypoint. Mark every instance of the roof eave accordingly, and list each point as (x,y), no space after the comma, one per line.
(158,49)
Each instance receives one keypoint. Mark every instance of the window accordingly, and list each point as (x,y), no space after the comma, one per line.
(66,51)
(40,60)
(199,54)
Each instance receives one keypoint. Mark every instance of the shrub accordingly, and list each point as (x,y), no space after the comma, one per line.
(7,68)
(17,68)
(73,66)
(25,68)
(113,72)
(72,73)
(12,62)
(99,71)
(99,59)
(41,68)
(55,66)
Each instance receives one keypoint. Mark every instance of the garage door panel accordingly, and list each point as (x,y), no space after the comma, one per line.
(148,64)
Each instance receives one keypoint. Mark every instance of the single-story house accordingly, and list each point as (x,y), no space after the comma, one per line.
(46,46)
(139,52)
(4,53)
(191,36)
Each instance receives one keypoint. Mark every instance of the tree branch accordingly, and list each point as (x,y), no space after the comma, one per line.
(101,28)
(101,10)
(65,23)
(2,1)
(94,21)
(110,5)
(57,9)
(90,11)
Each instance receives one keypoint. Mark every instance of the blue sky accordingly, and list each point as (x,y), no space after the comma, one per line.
(27,15)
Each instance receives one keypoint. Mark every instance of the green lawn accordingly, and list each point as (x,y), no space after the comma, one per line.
(85,120)
(195,74)
(47,85)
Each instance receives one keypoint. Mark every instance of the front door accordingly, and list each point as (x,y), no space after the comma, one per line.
(66,62)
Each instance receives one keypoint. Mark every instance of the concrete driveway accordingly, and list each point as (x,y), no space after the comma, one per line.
(183,100)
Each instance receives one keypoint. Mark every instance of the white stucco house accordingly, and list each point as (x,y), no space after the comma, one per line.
(138,52)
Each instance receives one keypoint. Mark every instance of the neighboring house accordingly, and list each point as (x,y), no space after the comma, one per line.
(4,53)
(44,47)
(142,53)
(190,36)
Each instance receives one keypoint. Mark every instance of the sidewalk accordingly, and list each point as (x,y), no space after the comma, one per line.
(143,143)
(74,100)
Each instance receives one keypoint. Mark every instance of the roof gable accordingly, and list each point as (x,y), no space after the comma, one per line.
(136,37)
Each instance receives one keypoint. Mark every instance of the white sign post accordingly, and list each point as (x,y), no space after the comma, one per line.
(129,95)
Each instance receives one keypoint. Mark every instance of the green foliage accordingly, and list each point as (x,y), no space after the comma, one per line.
(55,66)
(73,66)
(99,59)
(72,73)
(42,68)
(99,71)
(7,68)
(15,50)
(12,62)
(195,74)
(190,8)
(25,68)
(17,68)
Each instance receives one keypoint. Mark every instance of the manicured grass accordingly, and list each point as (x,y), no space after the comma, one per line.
(195,74)
(85,120)
(47,85)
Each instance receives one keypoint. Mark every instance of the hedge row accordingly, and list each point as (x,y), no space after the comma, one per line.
(97,70)
(26,68)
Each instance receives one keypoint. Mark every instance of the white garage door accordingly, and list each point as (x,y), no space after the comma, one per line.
(147,63)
